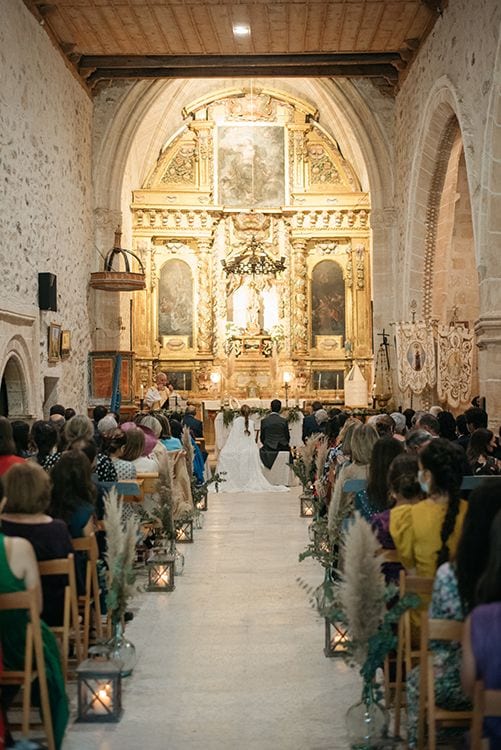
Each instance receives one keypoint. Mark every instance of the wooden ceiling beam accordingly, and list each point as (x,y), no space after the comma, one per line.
(387,72)
(243,61)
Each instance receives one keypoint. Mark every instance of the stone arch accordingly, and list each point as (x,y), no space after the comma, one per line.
(440,126)
(15,379)
(345,114)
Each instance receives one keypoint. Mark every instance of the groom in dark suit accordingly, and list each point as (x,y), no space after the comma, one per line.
(274,435)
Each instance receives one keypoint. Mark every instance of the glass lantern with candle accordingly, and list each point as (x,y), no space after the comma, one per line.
(161,570)
(99,689)
(184,531)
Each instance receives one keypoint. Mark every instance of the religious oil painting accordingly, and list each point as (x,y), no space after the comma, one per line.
(416,356)
(327,299)
(54,344)
(251,166)
(175,300)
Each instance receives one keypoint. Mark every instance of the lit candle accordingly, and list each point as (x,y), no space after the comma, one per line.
(141,390)
(184,381)
(319,380)
(337,380)
(102,702)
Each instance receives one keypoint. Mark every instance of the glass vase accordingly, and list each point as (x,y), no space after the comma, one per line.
(179,563)
(121,650)
(199,520)
(367,722)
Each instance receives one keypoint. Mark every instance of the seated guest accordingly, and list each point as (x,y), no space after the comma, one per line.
(385,425)
(409,415)
(7,447)
(19,572)
(463,434)
(106,426)
(342,503)
(447,425)
(480,453)
(56,413)
(274,435)
(310,424)
(21,435)
(97,414)
(426,534)
(153,429)
(482,633)
(77,431)
(44,437)
(73,496)
(134,450)
(403,487)
(400,425)
(475,418)
(157,395)
(375,498)
(455,593)
(27,489)
(170,443)
(195,425)
(69,413)
(429,423)
(114,447)
(416,440)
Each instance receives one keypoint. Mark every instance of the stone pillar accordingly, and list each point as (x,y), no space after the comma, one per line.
(104,307)
(299,298)
(488,333)
(204,307)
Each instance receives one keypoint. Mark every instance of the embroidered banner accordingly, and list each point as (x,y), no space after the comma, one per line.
(415,356)
(455,364)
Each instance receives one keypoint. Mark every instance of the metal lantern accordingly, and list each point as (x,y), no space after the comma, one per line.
(184,531)
(307,505)
(99,687)
(203,502)
(336,639)
(161,570)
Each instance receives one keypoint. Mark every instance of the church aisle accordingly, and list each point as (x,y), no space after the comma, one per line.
(233,657)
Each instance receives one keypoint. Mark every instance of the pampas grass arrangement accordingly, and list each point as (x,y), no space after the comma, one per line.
(361,591)
(320,459)
(188,447)
(303,465)
(120,556)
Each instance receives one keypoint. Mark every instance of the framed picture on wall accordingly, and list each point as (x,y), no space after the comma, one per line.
(54,343)
(65,342)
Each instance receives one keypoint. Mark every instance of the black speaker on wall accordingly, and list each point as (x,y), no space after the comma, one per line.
(47,291)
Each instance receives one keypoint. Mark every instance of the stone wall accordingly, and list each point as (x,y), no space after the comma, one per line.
(46,214)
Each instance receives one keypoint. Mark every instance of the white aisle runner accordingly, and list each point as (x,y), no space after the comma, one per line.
(233,659)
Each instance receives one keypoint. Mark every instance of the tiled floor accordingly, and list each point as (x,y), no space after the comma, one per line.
(233,657)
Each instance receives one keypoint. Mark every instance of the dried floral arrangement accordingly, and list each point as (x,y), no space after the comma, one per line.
(363,602)
(120,555)
(303,462)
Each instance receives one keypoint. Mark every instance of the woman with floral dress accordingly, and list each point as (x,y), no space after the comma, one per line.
(453,598)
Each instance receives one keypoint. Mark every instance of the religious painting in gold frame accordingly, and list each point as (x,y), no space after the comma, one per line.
(65,343)
(175,302)
(54,342)
(251,165)
(327,296)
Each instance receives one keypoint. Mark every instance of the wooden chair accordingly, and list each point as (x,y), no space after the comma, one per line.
(71,626)
(88,544)
(437,630)
(390,662)
(485,703)
(27,600)
(407,654)
(148,483)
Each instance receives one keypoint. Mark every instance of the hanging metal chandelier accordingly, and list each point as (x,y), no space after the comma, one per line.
(254,261)
(111,280)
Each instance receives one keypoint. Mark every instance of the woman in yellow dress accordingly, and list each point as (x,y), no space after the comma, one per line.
(426,534)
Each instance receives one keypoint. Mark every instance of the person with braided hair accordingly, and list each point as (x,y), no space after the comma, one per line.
(426,534)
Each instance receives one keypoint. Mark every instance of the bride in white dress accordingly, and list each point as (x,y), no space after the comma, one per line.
(239,459)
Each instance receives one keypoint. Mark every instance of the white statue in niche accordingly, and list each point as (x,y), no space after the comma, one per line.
(254,306)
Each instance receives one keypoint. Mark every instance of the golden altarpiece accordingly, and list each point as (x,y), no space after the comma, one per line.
(255,239)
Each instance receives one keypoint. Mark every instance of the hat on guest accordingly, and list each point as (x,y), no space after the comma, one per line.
(107,424)
(152,424)
(149,438)
(321,416)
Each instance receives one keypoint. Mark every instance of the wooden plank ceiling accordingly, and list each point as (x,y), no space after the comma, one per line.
(107,39)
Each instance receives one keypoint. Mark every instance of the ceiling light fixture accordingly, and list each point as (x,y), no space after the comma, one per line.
(241,29)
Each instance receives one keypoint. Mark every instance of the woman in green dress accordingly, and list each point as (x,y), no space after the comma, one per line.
(19,572)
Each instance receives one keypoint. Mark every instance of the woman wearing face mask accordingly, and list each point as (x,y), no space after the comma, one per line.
(426,535)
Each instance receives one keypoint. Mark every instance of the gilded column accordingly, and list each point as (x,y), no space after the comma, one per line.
(204,307)
(300,306)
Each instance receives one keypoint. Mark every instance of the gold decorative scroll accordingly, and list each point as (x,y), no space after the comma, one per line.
(455,364)
(415,357)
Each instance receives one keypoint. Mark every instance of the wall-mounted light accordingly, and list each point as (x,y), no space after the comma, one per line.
(241,29)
